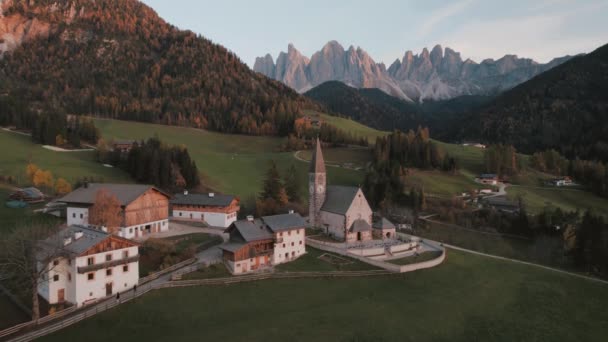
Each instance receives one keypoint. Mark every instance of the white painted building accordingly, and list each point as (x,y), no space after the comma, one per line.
(216,210)
(256,244)
(93,265)
(144,208)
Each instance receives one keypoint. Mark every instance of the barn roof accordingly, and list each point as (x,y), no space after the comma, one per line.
(203,199)
(338,199)
(278,223)
(125,193)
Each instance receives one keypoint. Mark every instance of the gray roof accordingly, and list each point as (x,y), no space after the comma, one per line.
(338,199)
(125,193)
(232,246)
(90,238)
(500,201)
(360,225)
(278,223)
(252,231)
(203,199)
(317,163)
(382,223)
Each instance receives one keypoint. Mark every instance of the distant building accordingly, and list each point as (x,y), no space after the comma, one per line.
(93,265)
(213,209)
(501,203)
(256,244)
(123,146)
(487,178)
(564,181)
(478,145)
(145,209)
(383,228)
(28,195)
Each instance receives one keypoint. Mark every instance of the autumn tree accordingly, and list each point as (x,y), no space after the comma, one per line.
(106,211)
(62,186)
(21,254)
(43,178)
(30,171)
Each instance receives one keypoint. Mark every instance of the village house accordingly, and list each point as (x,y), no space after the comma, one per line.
(213,209)
(564,181)
(28,195)
(145,209)
(124,146)
(487,178)
(341,211)
(91,265)
(256,244)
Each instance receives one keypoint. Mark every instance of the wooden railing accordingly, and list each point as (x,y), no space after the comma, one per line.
(108,264)
(166,270)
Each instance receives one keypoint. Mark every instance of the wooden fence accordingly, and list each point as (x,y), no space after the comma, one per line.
(166,270)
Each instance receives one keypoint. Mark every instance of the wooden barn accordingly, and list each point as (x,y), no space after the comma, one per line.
(145,209)
(28,195)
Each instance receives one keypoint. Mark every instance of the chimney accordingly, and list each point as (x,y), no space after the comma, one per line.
(250,218)
(67,241)
(78,235)
(185,192)
(211,194)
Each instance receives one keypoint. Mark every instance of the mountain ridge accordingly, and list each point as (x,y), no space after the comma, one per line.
(431,75)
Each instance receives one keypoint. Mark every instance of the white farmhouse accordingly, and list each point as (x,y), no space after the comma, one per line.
(216,210)
(93,265)
(261,243)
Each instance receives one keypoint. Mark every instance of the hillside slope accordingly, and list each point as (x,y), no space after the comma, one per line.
(118,59)
(565,108)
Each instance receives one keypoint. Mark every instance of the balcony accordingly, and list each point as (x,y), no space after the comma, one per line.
(107,264)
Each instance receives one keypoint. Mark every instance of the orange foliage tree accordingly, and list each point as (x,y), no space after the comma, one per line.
(106,211)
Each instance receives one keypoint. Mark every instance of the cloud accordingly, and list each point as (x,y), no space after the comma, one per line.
(441,14)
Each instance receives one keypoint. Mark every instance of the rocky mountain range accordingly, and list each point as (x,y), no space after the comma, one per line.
(434,75)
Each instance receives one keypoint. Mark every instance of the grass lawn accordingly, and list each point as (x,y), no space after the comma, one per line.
(424,256)
(316,260)
(468,298)
(230,163)
(536,199)
(212,271)
(357,156)
(349,125)
(69,165)
(469,158)
(441,184)
(9,217)
(10,314)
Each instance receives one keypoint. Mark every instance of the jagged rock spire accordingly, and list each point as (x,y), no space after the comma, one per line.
(317,164)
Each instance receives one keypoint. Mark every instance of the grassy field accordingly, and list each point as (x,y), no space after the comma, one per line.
(468,298)
(10,314)
(233,164)
(19,150)
(212,271)
(537,199)
(320,261)
(359,157)
(349,125)
(441,184)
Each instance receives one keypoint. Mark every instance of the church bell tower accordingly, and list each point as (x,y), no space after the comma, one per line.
(316,186)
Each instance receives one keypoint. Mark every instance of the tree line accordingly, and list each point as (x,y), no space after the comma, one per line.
(153,162)
(393,155)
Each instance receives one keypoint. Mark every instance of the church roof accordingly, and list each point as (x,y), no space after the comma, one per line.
(360,225)
(338,199)
(317,164)
(382,223)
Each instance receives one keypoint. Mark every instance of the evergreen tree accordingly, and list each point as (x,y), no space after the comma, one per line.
(272,184)
(291,184)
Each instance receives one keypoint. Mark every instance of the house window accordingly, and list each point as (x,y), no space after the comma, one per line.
(125,254)
(292,244)
(180,214)
(81,216)
(108,272)
(90,261)
(69,276)
(293,254)
(73,215)
(108,257)
(286,255)
(283,245)
(289,233)
(125,268)
(300,242)
(55,262)
(91,276)
(281,234)
(130,230)
(56,277)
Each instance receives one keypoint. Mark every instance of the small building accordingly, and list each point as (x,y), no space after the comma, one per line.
(256,244)
(213,209)
(564,181)
(145,209)
(383,228)
(28,195)
(487,178)
(124,146)
(90,266)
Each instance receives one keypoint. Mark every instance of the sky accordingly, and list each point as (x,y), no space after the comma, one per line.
(478,29)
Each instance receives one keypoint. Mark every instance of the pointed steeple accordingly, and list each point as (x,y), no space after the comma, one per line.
(317,164)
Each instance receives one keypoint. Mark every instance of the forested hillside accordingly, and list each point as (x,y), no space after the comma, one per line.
(565,108)
(118,59)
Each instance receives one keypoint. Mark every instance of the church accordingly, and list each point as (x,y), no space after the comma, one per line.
(341,211)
